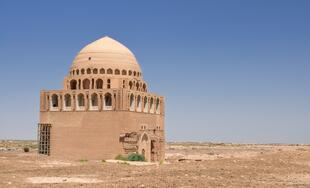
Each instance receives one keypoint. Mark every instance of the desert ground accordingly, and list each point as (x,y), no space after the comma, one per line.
(188,164)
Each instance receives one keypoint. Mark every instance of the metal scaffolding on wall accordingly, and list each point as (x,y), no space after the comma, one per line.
(44,138)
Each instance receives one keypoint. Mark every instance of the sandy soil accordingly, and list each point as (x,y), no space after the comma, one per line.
(187,165)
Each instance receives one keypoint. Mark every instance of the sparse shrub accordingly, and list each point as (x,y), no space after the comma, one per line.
(131,157)
(124,162)
(121,157)
(103,161)
(135,157)
(83,160)
(26,149)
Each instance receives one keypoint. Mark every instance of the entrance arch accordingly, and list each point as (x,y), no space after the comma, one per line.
(145,146)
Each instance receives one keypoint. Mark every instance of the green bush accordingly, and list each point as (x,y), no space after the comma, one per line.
(135,157)
(131,157)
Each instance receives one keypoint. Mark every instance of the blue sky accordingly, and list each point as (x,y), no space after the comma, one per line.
(231,71)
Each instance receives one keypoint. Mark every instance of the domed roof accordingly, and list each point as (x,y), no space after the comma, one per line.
(106,45)
(106,53)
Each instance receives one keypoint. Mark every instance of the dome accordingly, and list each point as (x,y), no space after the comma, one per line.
(106,53)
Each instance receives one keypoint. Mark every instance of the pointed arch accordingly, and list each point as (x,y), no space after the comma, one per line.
(107,102)
(99,83)
(137,86)
(139,104)
(151,105)
(108,83)
(124,72)
(130,85)
(67,100)
(157,106)
(117,72)
(86,84)
(80,100)
(144,137)
(73,84)
(109,71)
(54,101)
(92,83)
(145,104)
(93,102)
(88,71)
(132,102)
(144,87)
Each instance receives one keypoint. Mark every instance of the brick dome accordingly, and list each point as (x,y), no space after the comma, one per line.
(106,53)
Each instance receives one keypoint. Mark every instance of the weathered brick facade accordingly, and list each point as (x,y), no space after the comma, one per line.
(105,108)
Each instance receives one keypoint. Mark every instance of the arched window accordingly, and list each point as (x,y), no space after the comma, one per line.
(144,87)
(102,71)
(157,105)
(82,71)
(130,85)
(73,72)
(145,105)
(132,102)
(73,84)
(54,101)
(124,72)
(109,71)
(77,72)
(88,71)
(134,73)
(79,85)
(152,105)
(86,84)
(124,84)
(107,105)
(95,71)
(94,99)
(92,83)
(144,138)
(130,73)
(67,100)
(99,84)
(116,72)
(137,86)
(108,83)
(81,100)
(139,103)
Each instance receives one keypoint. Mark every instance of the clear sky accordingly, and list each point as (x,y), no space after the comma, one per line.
(231,71)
